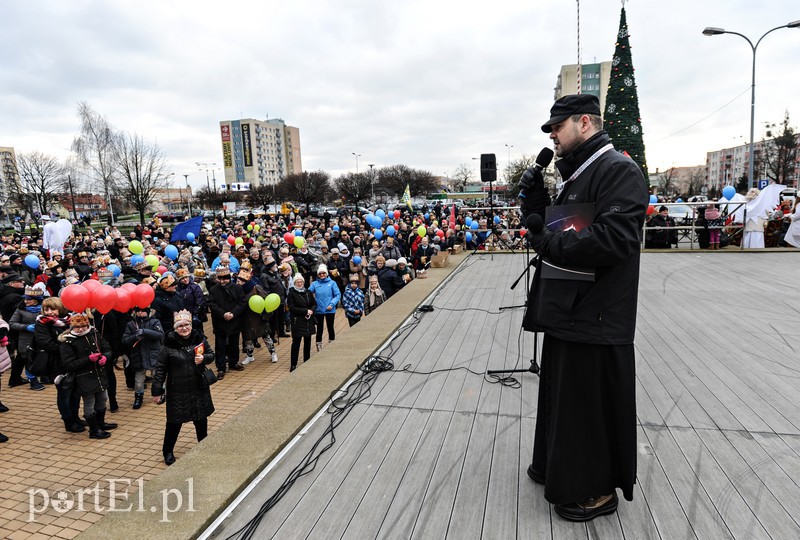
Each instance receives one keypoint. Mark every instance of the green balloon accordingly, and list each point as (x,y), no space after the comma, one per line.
(152,260)
(421,230)
(256,303)
(135,247)
(272,302)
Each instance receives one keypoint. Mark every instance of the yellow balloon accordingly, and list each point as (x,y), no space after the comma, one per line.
(135,247)
(299,242)
(421,230)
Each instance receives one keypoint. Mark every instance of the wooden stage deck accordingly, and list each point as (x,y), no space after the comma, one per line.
(444,455)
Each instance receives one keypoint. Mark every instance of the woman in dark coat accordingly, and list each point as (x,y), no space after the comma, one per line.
(167,301)
(179,373)
(301,308)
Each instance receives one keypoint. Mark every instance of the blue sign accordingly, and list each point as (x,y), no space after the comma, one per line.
(762,184)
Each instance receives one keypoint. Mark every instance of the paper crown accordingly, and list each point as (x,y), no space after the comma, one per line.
(33,292)
(223,271)
(199,272)
(166,281)
(182,317)
(245,273)
(182,273)
(78,319)
(104,273)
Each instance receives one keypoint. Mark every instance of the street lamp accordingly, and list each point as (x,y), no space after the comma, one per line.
(371,180)
(208,183)
(357,156)
(713,31)
(188,195)
(509,146)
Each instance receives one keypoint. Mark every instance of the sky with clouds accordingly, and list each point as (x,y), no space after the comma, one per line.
(429,84)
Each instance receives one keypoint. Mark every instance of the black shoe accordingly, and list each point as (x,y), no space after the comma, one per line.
(137,400)
(81,422)
(535,475)
(256,344)
(19,381)
(283,334)
(113,406)
(237,367)
(3,408)
(72,426)
(220,375)
(169,458)
(588,509)
(101,421)
(3,438)
(95,431)
(36,385)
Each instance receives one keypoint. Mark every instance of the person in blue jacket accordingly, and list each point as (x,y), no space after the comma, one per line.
(326,294)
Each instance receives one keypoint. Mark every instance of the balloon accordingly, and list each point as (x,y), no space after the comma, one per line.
(678,200)
(249,227)
(523,232)
(368,218)
(130,287)
(224,236)
(468,236)
(397,214)
(103,298)
(75,298)
(299,242)
(440,233)
(162,270)
(171,252)
(239,241)
(116,270)
(377,233)
(653,199)
(151,260)
(231,240)
(135,247)
(32,261)
(377,222)
(336,228)
(90,284)
(650,209)
(474,226)
(123,303)
(356,259)
(427,215)
(299,232)
(190,236)
(468,221)
(380,213)
(728,192)
(143,295)
(272,302)
(256,227)
(256,303)
(288,238)
(421,230)
(390,230)
(497,220)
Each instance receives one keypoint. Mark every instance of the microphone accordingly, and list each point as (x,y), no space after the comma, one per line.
(534,223)
(542,161)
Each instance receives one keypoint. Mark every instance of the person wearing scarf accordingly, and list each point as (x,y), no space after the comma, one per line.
(23,321)
(84,354)
(301,309)
(375,296)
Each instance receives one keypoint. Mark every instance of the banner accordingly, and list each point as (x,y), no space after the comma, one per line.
(227,153)
(246,148)
(193,225)
(407,198)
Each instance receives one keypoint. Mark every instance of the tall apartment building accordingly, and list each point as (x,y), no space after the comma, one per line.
(9,177)
(725,167)
(260,152)
(594,80)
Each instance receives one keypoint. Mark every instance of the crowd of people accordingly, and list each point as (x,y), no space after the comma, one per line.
(313,267)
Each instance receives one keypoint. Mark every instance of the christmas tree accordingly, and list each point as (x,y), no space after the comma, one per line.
(621,116)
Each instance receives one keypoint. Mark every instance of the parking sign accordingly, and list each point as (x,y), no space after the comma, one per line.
(762,184)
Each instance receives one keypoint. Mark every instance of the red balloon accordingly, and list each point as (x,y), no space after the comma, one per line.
(440,233)
(523,232)
(130,287)
(231,240)
(75,298)
(103,298)
(90,284)
(143,295)
(650,209)
(289,238)
(123,303)
(162,270)
(397,214)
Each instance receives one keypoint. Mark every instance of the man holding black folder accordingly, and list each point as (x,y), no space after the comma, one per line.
(584,298)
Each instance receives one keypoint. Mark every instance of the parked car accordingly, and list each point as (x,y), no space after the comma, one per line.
(681,213)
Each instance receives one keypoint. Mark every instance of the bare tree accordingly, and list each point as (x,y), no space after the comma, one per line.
(142,171)
(306,187)
(395,178)
(464,174)
(354,187)
(41,181)
(696,182)
(780,153)
(516,169)
(667,182)
(95,148)
(262,196)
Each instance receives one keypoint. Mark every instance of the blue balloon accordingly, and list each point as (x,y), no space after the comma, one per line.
(728,192)
(336,228)
(474,226)
(224,236)
(468,221)
(376,221)
(679,200)
(427,215)
(469,236)
(390,230)
(190,236)
(136,259)
(378,234)
(299,232)
(653,199)
(356,259)
(380,213)
(32,261)
(116,270)
(497,220)
(368,218)
(171,252)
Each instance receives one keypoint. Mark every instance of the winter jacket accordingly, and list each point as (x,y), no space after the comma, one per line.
(389,281)
(45,338)
(353,300)
(223,299)
(326,293)
(338,269)
(20,321)
(193,299)
(142,342)
(176,374)
(299,304)
(602,311)
(5,357)
(90,377)
(255,324)
(165,305)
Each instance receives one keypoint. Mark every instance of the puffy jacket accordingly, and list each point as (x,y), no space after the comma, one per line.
(90,377)
(326,293)
(177,374)
(299,304)
(193,299)
(142,341)
(20,321)
(603,311)
(166,305)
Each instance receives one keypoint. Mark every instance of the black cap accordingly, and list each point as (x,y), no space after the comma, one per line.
(13,277)
(569,105)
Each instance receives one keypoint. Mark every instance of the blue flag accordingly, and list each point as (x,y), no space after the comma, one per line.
(190,226)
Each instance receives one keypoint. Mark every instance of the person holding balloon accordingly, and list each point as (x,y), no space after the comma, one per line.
(256,320)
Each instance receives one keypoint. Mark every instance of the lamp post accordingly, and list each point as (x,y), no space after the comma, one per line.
(508,167)
(208,183)
(188,194)
(371,181)
(357,156)
(713,31)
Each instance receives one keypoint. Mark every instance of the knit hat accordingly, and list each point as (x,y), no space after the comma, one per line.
(182,317)
(402,260)
(322,269)
(391,263)
(298,276)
